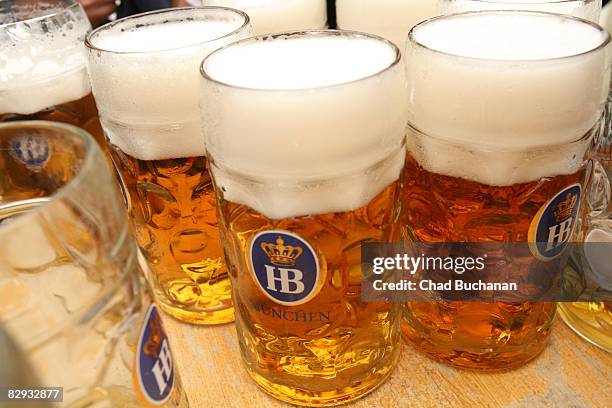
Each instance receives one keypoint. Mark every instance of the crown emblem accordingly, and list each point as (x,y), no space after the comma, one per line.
(151,347)
(281,254)
(565,208)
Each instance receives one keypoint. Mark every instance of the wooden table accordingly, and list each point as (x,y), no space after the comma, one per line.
(570,373)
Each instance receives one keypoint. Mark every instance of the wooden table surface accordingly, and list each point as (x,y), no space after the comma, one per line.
(570,373)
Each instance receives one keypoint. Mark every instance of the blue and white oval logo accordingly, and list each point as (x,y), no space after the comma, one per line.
(154,366)
(285,267)
(33,151)
(553,225)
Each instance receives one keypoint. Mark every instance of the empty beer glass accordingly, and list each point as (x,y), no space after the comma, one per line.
(70,295)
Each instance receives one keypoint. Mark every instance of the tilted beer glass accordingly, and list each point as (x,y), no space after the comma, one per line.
(270,16)
(305,137)
(70,292)
(42,64)
(504,107)
(145,77)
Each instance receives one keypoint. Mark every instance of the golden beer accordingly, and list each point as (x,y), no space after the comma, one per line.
(42,68)
(172,203)
(498,152)
(305,134)
(144,72)
(591,320)
(335,340)
(588,271)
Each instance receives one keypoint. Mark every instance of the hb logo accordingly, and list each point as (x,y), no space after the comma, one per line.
(33,151)
(285,267)
(154,365)
(553,225)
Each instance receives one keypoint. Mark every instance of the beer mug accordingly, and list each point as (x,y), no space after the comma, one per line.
(391,19)
(42,64)
(587,9)
(305,137)
(592,319)
(588,274)
(145,78)
(504,109)
(70,295)
(269,16)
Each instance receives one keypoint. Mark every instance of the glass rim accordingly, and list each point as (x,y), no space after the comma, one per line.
(600,46)
(70,4)
(112,24)
(72,184)
(314,32)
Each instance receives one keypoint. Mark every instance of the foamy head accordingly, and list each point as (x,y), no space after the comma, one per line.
(42,58)
(268,16)
(145,77)
(391,19)
(304,123)
(587,9)
(504,82)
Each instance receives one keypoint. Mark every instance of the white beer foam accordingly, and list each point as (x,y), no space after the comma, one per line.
(589,9)
(39,69)
(299,63)
(302,125)
(269,16)
(498,83)
(391,19)
(146,79)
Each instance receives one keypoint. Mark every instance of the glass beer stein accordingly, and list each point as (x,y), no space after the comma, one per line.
(42,64)
(593,320)
(391,19)
(587,9)
(70,294)
(145,78)
(305,138)
(270,16)
(589,272)
(501,127)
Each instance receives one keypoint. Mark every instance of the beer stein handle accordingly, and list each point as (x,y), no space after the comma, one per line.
(599,206)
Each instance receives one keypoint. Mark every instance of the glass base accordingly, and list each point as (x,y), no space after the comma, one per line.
(590,320)
(222,316)
(303,397)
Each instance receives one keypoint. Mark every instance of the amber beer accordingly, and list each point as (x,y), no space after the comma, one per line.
(305,136)
(144,72)
(500,130)
(42,65)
